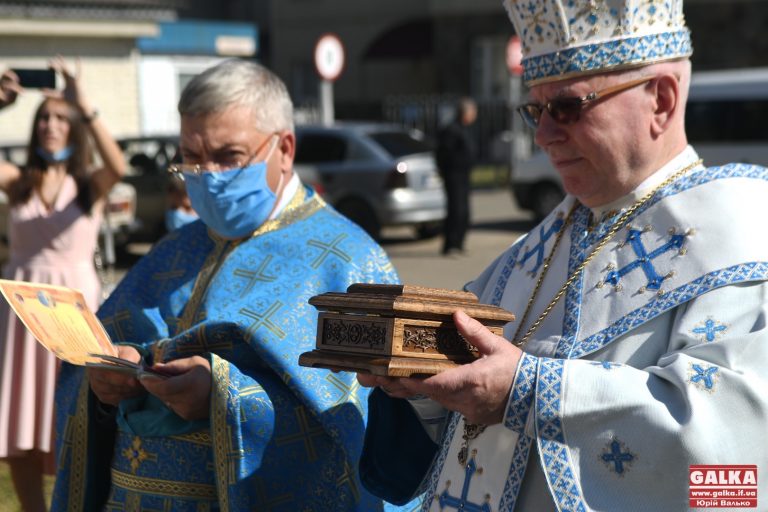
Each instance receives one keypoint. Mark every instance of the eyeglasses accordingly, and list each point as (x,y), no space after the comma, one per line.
(567,110)
(180,169)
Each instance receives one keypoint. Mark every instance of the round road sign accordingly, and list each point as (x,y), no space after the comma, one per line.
(515,56)
(329,56)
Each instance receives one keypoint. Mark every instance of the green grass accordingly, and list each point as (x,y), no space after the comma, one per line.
(8,501)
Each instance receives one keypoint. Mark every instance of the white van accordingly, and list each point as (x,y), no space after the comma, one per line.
(726,120)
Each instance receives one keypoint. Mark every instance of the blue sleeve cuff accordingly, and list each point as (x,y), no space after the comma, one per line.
(521,397)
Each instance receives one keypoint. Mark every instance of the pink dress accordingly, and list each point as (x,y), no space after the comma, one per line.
(53,247)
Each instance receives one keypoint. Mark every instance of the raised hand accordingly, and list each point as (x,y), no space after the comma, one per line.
(73,90)
(9,88)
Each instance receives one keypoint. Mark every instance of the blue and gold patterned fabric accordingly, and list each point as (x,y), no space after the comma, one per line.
(280,436)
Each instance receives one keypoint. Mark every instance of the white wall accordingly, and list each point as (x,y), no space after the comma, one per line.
(109,77)
(160,84)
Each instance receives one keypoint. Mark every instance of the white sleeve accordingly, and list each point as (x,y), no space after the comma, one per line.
(431,414)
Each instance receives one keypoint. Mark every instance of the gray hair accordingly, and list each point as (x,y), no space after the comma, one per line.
(239,82)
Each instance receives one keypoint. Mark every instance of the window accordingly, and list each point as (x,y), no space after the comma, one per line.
(400,144)
(727,120)
(320,148)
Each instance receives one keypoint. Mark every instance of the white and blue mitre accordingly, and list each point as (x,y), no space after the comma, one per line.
(565,38)
(654,357)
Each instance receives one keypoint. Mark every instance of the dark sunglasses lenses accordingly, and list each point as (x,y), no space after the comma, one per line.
(530,112)
(565,110)
(562,110)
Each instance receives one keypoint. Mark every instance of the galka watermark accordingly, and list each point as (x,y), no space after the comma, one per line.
(722,486)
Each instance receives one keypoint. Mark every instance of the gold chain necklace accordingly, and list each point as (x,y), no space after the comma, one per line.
(616,226)
(540,280)
(472,430)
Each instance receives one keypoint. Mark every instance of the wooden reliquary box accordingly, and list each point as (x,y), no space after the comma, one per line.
(396,330)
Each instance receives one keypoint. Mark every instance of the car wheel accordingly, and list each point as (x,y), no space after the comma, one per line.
(546,197)
(361,214)
(429,230)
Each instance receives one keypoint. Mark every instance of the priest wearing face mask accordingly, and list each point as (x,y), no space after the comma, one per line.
(221,306)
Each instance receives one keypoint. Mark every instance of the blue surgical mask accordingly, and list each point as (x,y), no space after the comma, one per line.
(57,156)
(233,203)
(176,218)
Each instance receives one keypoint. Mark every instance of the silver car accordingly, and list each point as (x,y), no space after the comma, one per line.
(376,174)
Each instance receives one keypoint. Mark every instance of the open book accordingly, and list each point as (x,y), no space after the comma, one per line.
(60,320)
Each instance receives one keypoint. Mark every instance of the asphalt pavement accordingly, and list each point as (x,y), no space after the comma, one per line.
(496,223)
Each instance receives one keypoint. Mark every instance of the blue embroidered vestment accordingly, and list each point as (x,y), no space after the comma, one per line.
(280,437)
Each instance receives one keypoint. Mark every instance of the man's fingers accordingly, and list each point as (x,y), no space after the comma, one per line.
(475,333)
(367,380)
(177,366)
(183,373)
(170,388)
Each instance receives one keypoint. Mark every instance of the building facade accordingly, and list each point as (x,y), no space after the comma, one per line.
(404,58)
(136,57)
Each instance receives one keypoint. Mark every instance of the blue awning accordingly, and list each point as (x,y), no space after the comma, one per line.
(202,38)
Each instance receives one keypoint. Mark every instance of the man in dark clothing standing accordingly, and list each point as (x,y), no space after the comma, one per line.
(455,157)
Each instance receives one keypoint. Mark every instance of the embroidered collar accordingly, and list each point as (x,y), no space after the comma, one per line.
(611,210)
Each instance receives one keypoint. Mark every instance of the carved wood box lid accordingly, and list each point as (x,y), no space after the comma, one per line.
(409,301)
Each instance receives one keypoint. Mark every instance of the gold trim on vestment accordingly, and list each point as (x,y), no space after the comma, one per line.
(220,430)
(77,425)
(170,488)
(212,263)
(202,437)
(298,208)
(286,217)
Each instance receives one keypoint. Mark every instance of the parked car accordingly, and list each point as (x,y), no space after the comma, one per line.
(376,174)
(120,215)
(725,122)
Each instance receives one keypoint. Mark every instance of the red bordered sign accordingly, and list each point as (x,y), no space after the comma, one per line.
(515,56)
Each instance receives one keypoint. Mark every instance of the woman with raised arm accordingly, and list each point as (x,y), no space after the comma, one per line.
(56,203)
